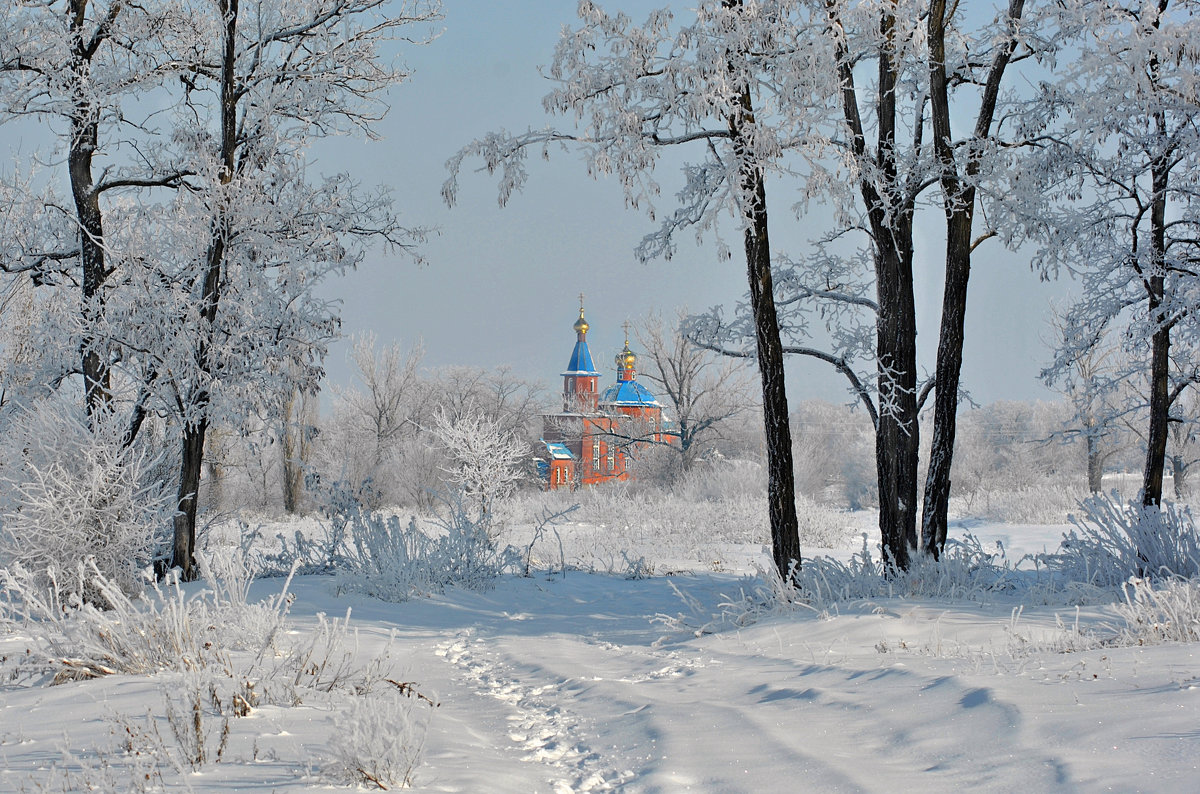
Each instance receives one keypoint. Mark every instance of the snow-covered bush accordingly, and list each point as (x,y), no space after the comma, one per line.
(79,491)
(965,571)
(392,561)
(112,633)
(377,740)
(1114,541)
(1169,612)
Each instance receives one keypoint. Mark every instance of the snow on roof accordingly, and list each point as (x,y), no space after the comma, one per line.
(629,392)
(558,451)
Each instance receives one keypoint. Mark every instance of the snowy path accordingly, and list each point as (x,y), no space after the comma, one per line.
(573,686)
(563,688)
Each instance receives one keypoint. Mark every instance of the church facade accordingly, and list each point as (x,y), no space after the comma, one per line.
(592,439)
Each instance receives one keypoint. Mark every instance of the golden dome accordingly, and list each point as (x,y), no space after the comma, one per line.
(581,325)
(626,359)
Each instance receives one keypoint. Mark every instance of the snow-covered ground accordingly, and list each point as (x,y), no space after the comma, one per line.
(593,682)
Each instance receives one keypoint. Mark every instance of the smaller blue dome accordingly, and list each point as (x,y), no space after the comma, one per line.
(629,392)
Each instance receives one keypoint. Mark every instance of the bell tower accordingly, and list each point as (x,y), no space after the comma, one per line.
(580,380)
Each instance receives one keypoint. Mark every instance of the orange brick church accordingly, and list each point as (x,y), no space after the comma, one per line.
(592,438)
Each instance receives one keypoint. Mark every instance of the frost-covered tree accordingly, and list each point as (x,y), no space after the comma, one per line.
(1121,159)
(636,90)
(1092,382)
(962,165)
(871,177)
(82,67)
(257,231)
(484,462)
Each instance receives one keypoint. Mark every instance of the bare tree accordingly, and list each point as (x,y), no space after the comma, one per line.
(703,390)
(1092,383)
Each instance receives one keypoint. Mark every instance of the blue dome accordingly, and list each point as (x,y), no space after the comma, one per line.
(629,392)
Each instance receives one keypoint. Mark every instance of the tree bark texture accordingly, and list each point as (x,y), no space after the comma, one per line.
(781,485)
(1160,343)
(196,425)
(82,148)
(958,201)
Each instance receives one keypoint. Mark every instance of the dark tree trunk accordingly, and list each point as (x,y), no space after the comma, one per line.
(958,200)
(85,140)
(781,485)
(183,551)
(897,439)
(192,458)
(897,434)
(1160,404)
(947,377)
(1160,343)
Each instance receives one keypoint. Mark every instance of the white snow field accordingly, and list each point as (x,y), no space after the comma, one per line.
(582,682)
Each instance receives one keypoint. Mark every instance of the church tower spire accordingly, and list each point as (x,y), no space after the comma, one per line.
(580,380)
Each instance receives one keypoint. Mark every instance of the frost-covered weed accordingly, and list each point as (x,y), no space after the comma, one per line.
(965,571)
(1114,541)
(113,633)
(79,491)
(687,522)
(377,741)
(392,561)
(1169,612)
(1033,504)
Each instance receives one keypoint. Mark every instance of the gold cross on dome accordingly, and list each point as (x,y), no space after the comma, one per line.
(626,327)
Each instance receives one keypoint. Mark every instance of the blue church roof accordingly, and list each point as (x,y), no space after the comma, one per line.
(581,361)
(628,392)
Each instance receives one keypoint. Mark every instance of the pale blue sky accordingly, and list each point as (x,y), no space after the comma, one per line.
(502,286)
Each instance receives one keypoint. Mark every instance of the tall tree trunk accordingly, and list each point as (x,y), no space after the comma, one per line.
(897,439)
(897,434)
(958,201)
(1160,344)
(781,483)
(82,148)
(196,425)
(1160,404)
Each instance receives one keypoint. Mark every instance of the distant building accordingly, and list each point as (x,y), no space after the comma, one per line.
(588,441)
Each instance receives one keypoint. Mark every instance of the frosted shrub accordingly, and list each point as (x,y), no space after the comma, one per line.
(112,633)
(1112,542)
(79,491)
(386,559)
(377,740)
(965,571)
(1168,613)
(394,562)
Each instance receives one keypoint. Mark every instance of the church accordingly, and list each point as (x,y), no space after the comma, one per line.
(593,438)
